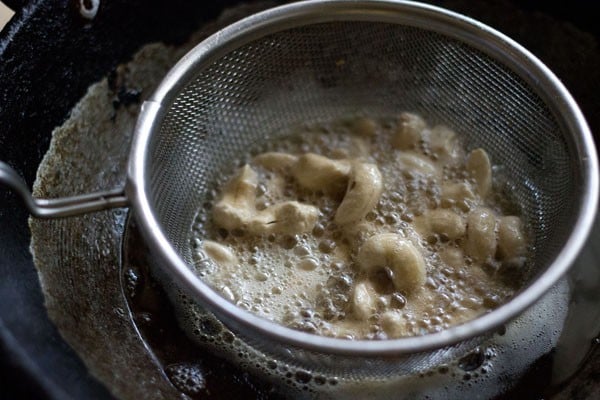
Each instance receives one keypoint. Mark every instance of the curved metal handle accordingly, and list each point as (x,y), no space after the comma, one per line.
(62,207)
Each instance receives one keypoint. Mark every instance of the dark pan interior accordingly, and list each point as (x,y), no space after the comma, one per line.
(49,55)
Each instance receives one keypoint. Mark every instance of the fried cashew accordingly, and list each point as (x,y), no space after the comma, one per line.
(362,182)
(274,160)
(480,169)
(481,234)
(409,131)
(316,172)
(311,171)
(418,164)
(237,209)
(511,239)
(389,250)
(364,300)
(441,222)
(362,194)
(289,217)
(393,324)
(443,143)
(459,194)
(219,253)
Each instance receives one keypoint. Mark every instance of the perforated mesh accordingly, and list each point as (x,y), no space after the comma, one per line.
(324,71)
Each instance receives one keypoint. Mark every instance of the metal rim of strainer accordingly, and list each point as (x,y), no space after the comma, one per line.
(421,15)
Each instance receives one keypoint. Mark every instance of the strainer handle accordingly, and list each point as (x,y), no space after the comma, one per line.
(61,207)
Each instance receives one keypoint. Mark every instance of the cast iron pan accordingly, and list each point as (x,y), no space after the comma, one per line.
(49,55)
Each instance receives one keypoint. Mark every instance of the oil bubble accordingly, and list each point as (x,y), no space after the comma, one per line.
(187,377)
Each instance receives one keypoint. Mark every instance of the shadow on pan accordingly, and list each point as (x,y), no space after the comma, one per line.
(50,54)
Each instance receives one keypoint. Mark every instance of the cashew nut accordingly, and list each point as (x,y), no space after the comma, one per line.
(364,126)
(480,169)
(219,253)
(418,164)
(236,207)
(457,193)
(442,142)
(511,240)
(274,187)
(399,255)
(362,195)
(441,222)
(274,160)
(316,172)
(393,324)
(408,132)
(237,210)
(364,300)
(481,234)
(288,217)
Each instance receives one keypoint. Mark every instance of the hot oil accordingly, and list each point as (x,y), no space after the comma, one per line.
(189,367)
(205,360)
(305,281)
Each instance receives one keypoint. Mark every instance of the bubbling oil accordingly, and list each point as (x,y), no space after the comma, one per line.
(493,369)
(307,280)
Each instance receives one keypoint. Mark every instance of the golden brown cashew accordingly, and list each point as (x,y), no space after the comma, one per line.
(237,210)
(316,172)
(362,195)
(399,255)
(480,169)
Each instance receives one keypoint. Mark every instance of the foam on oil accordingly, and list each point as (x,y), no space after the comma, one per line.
(305,281)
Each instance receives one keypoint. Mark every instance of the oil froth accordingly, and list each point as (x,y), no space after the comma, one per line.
(436,197)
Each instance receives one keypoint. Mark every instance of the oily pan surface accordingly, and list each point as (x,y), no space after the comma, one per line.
(78,258)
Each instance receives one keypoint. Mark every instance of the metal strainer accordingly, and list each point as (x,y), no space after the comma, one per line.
(316,61)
